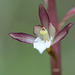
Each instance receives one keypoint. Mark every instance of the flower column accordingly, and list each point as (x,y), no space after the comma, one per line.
(56,48)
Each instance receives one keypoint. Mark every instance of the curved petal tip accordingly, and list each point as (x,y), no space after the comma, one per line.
(69,25)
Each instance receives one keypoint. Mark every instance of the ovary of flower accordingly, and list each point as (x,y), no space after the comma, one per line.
(42,43)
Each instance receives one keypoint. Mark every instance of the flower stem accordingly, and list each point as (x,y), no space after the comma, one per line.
(55,48)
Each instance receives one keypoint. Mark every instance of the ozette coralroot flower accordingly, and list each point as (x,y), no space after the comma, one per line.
(46,33)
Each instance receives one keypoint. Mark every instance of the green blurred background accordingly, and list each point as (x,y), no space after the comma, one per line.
(17,58)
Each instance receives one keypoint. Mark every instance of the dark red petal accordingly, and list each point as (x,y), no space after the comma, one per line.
(62,33)
(44,18)
(23,37)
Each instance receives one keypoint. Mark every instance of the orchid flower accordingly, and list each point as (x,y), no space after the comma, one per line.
(46,33)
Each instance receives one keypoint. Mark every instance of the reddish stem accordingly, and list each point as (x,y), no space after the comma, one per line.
(56,47)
